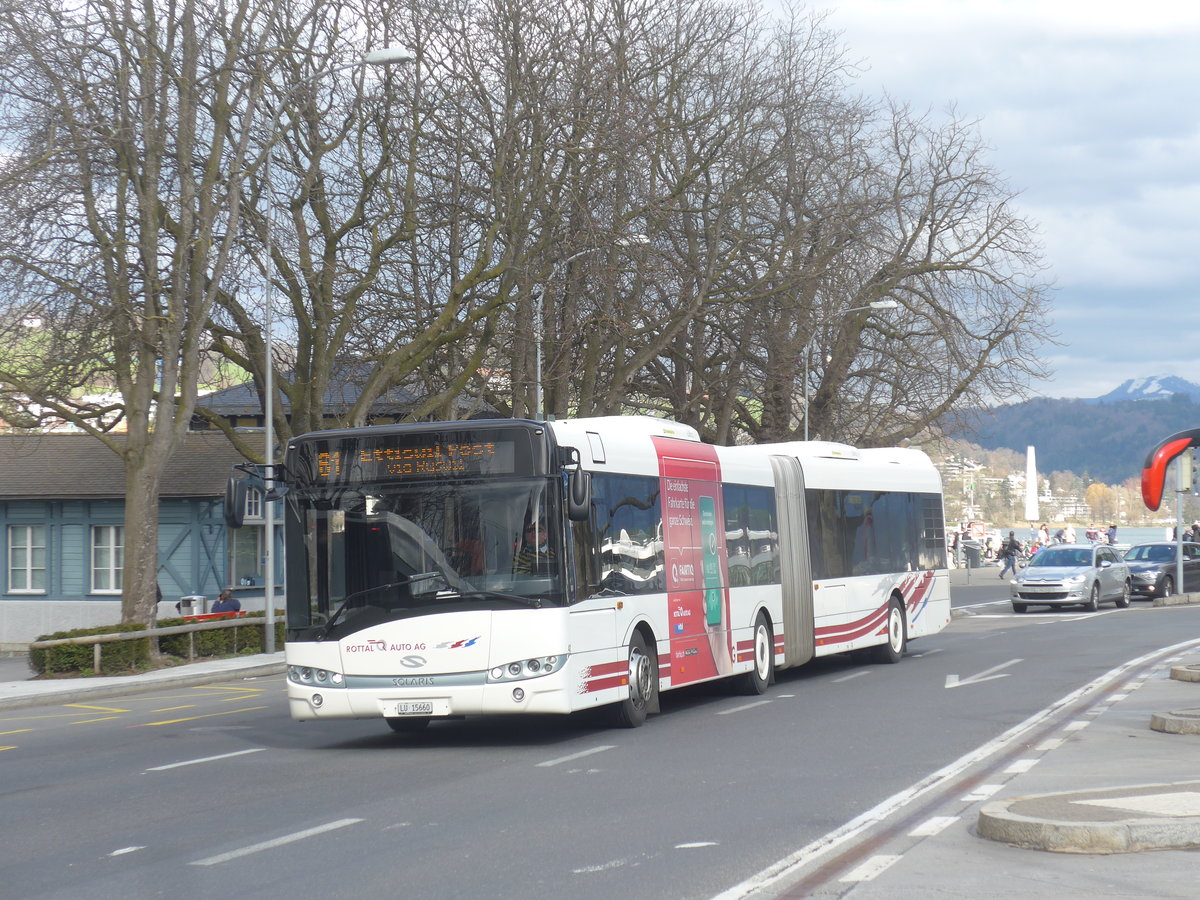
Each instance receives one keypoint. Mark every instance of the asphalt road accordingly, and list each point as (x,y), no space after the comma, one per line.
(214,791)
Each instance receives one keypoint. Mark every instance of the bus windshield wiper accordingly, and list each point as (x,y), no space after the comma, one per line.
(533,602)
(391,585)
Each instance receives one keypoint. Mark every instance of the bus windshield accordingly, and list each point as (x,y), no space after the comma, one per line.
(377,552)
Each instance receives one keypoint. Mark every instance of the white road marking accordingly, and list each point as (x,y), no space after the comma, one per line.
(574,756)
(872,868)
(743,707)
(953,681)
(851,675)
(1077,725)
(277,842)
(205,759)
(927,653)
(1020,766)
(125,850)
(980,793)
(932,826)
(603,867)
(1051,744)
(787,867)
(696,844)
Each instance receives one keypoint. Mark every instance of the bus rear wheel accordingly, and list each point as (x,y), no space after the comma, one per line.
(892,650)
(643,685)
(763,673)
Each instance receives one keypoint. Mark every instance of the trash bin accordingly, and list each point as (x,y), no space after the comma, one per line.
(973,552)
(192,605)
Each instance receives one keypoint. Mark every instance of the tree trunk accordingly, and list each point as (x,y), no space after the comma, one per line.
(139,594)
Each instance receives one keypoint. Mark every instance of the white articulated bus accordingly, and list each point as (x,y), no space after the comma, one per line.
(441,570)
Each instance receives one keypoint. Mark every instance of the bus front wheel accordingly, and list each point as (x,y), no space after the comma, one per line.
(892,650)
(643,684)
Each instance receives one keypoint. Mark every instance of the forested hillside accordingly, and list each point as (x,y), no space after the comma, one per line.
(1107,442)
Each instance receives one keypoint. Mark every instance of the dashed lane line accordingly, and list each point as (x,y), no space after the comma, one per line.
(204,759)
(574,756)
(743,707)
(276,842)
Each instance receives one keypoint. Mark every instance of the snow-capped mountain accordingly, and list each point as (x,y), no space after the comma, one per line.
(1158,387)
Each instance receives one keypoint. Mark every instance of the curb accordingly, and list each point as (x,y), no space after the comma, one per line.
(1185,673)
(1177,721)
(1093,821)
(1177,600)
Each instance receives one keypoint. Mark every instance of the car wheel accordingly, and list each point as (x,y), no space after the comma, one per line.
(1020,607)
(1168,586)
(1093,603)
(1126,594)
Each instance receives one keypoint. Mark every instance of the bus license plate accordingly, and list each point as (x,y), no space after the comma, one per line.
(439,707)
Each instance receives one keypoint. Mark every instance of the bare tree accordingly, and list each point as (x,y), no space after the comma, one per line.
(119,214)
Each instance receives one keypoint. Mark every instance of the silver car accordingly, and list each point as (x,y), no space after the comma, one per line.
(1072,574)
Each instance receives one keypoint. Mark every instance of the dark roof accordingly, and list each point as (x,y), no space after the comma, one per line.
(78,466)
(340,394)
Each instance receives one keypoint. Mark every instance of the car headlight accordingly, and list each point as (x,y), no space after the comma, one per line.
(1075,579)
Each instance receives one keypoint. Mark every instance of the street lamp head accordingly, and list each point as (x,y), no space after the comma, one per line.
(884,304)
(386,56)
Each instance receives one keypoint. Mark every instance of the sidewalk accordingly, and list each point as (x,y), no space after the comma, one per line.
(1122,776)
(18,687)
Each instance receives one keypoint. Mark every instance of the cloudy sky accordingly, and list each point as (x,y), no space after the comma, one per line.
(1093,111)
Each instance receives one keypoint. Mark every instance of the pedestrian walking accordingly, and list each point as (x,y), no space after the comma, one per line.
(1008,553)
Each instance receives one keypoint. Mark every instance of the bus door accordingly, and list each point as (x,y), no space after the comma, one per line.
(795,567)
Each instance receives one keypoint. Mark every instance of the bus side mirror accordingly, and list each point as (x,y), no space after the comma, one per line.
(579,495)
(235,501)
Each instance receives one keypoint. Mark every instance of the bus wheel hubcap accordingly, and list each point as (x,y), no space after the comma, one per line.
(639,677)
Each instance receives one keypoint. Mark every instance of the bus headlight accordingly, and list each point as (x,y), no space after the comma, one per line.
(534,667)
(309,677)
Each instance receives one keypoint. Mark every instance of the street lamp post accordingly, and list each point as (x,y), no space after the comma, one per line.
(874,304)
(382,57)
(633,240)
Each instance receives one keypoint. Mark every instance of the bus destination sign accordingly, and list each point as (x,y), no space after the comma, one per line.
(394,458)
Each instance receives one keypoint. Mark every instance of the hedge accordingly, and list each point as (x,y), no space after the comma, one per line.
(116,657)
(121,657)
(220,641)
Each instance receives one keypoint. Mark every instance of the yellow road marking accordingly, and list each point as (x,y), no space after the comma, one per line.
(90,721)
(194,718)
(70,715)
(18,731)
(8,748)
(236,699)
(219,687)
(173,708)
(98,708)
